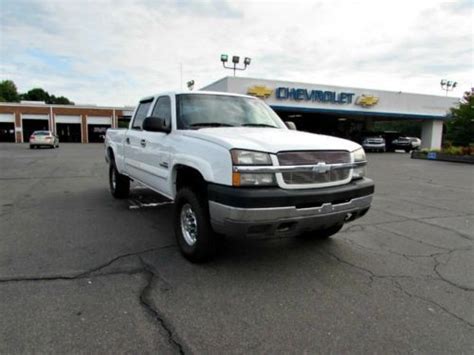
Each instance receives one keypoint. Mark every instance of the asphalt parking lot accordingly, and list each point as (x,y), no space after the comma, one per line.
(82,272)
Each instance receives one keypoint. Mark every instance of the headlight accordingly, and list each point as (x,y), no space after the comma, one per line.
(359,156)
(248,157)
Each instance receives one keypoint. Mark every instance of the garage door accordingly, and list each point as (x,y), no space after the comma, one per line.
(7,127)
(68,128)
(96,128)
(31,123)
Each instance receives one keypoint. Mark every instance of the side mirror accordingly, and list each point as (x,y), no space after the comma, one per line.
(155,124)
(291,125)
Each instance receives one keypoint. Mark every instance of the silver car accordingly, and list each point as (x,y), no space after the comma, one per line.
(44,139)
(375,143)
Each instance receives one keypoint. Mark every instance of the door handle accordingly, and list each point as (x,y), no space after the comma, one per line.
(127,140)
(143,143)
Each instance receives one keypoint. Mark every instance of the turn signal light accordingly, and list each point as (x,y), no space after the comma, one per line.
(235,179)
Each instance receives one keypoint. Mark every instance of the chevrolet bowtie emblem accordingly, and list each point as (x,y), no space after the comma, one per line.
(321,168)
(367,100)
(259,91)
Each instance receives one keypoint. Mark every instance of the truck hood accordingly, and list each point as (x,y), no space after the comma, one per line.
(271,140)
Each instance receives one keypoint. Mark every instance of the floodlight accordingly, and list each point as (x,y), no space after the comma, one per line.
(224,58)
(235,59)
(247,61)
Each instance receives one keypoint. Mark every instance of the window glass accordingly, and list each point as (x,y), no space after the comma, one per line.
(163,109)
(194,111)
(141,114)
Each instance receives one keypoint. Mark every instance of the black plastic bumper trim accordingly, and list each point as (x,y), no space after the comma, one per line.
(248,197)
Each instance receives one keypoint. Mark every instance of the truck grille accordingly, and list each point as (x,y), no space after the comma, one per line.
(311,158)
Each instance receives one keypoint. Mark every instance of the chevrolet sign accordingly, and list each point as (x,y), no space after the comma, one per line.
(367,100)
(259,91)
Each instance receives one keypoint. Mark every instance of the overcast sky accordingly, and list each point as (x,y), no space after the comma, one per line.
(114,52)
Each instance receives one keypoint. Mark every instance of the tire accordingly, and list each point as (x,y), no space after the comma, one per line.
(192,226)
(324,233)
(119,184)
(407,150)
(32,146)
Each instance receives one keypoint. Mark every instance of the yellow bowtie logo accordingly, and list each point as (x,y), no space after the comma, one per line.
(367,101)
(259,91)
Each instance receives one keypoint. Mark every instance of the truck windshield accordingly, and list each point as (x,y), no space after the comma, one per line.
(201,110)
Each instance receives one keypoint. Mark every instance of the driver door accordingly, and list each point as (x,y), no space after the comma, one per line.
(155,152)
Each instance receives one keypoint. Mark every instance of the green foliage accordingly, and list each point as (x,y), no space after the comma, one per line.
(453,150)
(461,126)
(8,91)
(38,94)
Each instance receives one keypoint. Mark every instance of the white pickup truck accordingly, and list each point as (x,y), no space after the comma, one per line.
(232,167)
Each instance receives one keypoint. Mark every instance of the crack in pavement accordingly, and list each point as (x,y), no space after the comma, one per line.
(354,227)
(146,269)
(151,274)
(452,283)
(409,294)
(83,274)
(423,220)
(411,239)
(393,279)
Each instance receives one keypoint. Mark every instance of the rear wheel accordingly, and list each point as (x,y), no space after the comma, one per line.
(119,184)
(32,146)
(194,234)
(324,233)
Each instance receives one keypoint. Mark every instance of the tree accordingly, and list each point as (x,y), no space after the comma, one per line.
(60,100)
(8,91)
(38,94)
(461,126)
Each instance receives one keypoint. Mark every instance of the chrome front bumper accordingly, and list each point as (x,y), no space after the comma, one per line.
(287,220)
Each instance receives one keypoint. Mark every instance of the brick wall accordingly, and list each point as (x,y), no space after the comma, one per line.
(19,109)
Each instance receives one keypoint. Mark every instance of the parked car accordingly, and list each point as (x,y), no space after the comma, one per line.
(415,142)
(232,167)
(406,143)
(375,143)
(44,139)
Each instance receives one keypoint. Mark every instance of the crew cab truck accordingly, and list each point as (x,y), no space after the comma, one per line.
(233,167)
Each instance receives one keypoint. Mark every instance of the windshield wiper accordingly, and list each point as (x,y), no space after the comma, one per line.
(211,124)
(258,125)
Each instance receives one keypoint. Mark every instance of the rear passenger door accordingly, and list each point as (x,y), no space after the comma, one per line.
(133,144)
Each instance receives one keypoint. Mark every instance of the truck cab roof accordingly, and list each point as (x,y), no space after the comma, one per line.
(182,92)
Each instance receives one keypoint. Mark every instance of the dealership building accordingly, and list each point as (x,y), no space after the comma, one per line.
(72,123)
(344,111)
(341,111)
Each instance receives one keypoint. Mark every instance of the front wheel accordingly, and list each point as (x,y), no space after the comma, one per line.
(194,234)
(119,184)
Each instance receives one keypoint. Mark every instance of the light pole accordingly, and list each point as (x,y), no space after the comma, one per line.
(448,85)
(235,61)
